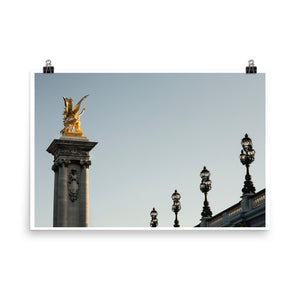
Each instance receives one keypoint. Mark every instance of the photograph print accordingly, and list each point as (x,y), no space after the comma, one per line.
(148,151)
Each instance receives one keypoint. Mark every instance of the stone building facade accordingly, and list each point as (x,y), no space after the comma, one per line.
(249,212)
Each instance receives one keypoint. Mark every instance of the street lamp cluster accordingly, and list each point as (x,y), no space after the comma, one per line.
(246,157)
(205,187)
(154,221)
(176,207)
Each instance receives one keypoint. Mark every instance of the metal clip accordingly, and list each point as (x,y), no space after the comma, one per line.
(48,68)
(251,67)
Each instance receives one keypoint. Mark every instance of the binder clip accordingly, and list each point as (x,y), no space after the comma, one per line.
(251,68)
(48,68)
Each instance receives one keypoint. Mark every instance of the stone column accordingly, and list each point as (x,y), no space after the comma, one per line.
(84,194)
(55,170)
(71,196)
(62,194)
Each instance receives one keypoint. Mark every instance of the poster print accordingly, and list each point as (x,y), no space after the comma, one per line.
(148,151)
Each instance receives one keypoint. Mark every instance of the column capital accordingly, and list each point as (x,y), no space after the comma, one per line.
(55,167)
(85,163)
(60,163)
(63,162)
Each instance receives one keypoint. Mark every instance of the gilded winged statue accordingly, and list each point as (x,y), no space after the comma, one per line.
(71,117)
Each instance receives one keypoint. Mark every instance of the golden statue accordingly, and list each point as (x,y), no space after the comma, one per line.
(71,118)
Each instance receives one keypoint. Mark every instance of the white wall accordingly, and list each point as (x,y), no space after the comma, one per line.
(191,36)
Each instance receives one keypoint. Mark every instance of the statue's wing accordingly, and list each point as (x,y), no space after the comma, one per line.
(70,105)
(76,108)
(66,105)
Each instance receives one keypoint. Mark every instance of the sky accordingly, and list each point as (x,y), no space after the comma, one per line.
(155,132)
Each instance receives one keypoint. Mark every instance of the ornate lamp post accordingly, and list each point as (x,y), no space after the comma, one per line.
(205,187)
(154,221)
(246,159)
(176,207)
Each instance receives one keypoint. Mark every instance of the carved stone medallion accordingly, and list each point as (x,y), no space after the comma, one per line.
(73,185)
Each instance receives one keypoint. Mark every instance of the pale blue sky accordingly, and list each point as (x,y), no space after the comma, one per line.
(155,132)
